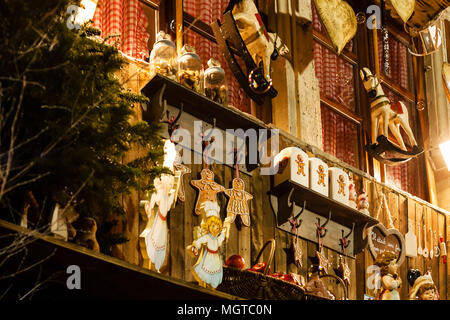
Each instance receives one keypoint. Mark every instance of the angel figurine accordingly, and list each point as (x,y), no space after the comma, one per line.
(208,270)
(390,280)
(164,197)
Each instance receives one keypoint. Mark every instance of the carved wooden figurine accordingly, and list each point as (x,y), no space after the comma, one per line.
(259,42)
(363,203)
(384,114)
(207,189)
(390,280)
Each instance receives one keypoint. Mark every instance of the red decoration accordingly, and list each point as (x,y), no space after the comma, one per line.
(235,261)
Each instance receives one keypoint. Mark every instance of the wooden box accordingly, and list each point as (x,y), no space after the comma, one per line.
(293,165)
(318,176)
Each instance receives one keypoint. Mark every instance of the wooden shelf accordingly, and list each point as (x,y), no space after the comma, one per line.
(322,205)
(199,106)
(318,204)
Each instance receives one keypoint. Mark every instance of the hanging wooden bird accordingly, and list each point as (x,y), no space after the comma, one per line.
(207,188)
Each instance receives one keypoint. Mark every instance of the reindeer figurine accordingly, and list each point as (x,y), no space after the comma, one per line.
(385,114)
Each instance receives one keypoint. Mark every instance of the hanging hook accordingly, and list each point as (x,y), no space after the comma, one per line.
(344,242)
(322,231)
(172,122)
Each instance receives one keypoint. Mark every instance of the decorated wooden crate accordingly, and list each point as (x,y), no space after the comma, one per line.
(339,182)
(318,176)
(293,165)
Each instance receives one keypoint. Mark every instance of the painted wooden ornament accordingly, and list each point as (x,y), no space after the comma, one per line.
(324,263)
(182,169)
(237,205)
(384,114)
(410,242)
(207,188)
(154,237)
(344,269)
(339,20)
(208,270)
(382,240)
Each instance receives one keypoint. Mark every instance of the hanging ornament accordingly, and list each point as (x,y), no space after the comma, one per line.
(207,189)
(385,35)
(208,270)
(154,236)
(237,205)
(182,170)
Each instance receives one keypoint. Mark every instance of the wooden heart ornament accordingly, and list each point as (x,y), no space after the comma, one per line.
(339,20)
(381,239)
(404,8)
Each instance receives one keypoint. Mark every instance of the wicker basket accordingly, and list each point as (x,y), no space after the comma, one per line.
(254,285)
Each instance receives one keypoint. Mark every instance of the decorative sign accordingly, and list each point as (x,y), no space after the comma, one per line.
(381,239)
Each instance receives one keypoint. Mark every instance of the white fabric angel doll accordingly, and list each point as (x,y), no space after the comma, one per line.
(208,269)
(165,195)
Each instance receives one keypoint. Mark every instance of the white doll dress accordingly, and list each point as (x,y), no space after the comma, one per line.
(209,268)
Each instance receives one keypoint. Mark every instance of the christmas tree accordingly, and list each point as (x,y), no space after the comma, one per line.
(65,120)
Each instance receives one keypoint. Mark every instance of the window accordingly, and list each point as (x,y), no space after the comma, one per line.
(136,22)
(341,120)
(197,16)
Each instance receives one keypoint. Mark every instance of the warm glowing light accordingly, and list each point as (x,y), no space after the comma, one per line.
(86,12)
(445,149)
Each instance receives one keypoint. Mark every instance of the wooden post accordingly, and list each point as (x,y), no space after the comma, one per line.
(179,24)
(378,168)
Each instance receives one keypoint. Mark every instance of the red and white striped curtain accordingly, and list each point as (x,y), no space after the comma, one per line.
(336,83)
(209,11)
(127,18)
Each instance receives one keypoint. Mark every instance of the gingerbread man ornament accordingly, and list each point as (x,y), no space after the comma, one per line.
(207,189)
(237,204)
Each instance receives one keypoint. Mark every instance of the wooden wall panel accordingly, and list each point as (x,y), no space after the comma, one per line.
(249,241)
